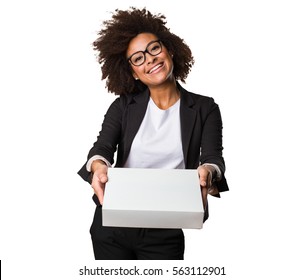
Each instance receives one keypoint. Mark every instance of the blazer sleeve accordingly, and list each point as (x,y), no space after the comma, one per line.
(108,138)
(211,142)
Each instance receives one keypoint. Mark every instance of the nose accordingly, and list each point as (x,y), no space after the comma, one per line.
(150,58)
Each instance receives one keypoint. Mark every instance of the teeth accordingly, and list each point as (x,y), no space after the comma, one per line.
(154,68)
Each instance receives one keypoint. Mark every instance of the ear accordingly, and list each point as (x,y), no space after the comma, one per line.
(135,76)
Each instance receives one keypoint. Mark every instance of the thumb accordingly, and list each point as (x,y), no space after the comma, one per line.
(103,178)
(203,175)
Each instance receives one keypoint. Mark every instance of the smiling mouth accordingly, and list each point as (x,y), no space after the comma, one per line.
(155,68)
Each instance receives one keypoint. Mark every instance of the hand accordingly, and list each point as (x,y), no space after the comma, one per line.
(99,179)
(206,173)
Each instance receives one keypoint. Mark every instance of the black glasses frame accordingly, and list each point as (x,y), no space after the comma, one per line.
(146,51)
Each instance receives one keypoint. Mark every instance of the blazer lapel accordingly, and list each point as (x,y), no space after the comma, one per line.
(187,119)
(135,113)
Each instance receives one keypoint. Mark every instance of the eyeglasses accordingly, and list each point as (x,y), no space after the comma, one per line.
(153,48)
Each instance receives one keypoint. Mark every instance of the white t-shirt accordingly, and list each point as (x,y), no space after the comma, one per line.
(158,142)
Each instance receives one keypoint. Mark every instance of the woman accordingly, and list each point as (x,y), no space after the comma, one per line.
(155,123)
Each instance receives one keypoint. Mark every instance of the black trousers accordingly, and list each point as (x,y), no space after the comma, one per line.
(119,243)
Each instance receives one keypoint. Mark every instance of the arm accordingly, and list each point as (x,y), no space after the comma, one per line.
(212,165)
(107,139)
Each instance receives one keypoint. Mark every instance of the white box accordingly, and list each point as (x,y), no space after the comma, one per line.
(153,198)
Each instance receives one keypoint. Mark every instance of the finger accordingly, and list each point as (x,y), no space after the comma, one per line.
(98,186)
(203,175)
(204,196)
(99,191)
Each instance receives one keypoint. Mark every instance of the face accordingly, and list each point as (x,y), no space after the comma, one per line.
(156,69)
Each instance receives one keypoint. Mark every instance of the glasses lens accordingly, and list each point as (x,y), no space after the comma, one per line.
(138,58)
(154,48)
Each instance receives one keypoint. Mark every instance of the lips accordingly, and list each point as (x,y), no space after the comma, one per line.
(155,68)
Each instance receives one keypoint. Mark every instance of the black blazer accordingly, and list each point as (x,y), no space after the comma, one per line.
(201,128)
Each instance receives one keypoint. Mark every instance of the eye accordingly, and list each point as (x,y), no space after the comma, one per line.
(155,48)
(137,58)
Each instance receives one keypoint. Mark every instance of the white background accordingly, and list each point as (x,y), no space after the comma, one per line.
(249,58)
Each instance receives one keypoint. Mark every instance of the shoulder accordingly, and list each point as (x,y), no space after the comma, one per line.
(121,102)
(131,98)
(201,98)
(196,100)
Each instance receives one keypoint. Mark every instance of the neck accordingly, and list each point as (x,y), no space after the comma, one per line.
(166,96)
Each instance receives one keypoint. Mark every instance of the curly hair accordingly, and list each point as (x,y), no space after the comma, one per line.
(113,41)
